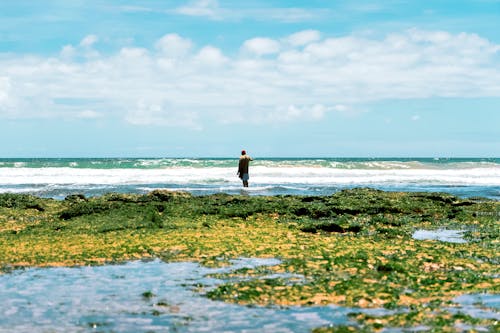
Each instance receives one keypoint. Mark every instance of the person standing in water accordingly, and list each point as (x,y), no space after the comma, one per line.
(243,167)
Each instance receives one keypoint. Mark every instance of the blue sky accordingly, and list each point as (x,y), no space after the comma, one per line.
(206,78)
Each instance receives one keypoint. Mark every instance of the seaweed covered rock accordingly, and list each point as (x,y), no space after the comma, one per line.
(165,195)
(75,198)
(125,198)
(21,201)
(85,208)
(329,227)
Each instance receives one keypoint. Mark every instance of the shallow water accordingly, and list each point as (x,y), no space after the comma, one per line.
(110,298)
(444,235)
(479,305)
(114,298)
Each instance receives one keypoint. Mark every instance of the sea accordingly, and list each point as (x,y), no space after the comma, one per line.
(59,177)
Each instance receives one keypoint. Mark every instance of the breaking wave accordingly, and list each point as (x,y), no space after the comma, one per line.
(58,177)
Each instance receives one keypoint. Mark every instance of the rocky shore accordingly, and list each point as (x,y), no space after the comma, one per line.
(355,248)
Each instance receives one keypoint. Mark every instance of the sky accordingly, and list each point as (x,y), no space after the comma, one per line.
(208,78)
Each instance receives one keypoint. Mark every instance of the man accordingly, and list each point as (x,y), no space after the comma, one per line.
(243,167)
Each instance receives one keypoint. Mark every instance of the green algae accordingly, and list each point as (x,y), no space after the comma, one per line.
(353,248)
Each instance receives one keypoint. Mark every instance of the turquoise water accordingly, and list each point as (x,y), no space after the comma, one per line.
(57,178)
(153,163)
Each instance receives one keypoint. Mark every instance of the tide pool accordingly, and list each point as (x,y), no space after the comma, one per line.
(143,296)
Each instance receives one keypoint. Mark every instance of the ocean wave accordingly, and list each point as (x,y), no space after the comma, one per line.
(259,175)
(204,163)
(57,178)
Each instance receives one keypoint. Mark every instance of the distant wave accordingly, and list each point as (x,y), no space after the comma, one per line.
(330,163)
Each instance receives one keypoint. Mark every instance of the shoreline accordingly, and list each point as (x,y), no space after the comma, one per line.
(355,248)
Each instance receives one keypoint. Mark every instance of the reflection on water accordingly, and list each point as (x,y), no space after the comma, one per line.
(479,305)
(444,235)
(141,297)
(153,296)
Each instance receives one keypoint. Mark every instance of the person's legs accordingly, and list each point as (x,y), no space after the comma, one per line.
(245,179)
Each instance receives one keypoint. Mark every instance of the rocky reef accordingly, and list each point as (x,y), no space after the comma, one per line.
(354,248)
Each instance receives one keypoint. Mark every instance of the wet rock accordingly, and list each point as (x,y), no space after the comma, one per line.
(75,198)
(84,208)
(164,195)
(330,227)
(21,201)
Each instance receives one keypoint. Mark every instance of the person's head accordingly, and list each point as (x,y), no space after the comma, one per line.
(243,152)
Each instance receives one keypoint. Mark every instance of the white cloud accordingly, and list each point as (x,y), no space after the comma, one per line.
(293,112)
(289,15)
(88,114)
(173,45)
(9,102)
(161,114)
(207,8)
(212,10)
(85,49)
(261,46)
(68,52)
(89,41)
(301,78)
(282,113)
(304,37)
(211,56)
(136,9)
(4,89)
(133,52)
(313,112)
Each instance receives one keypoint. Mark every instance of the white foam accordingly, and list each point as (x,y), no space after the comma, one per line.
(263,175)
